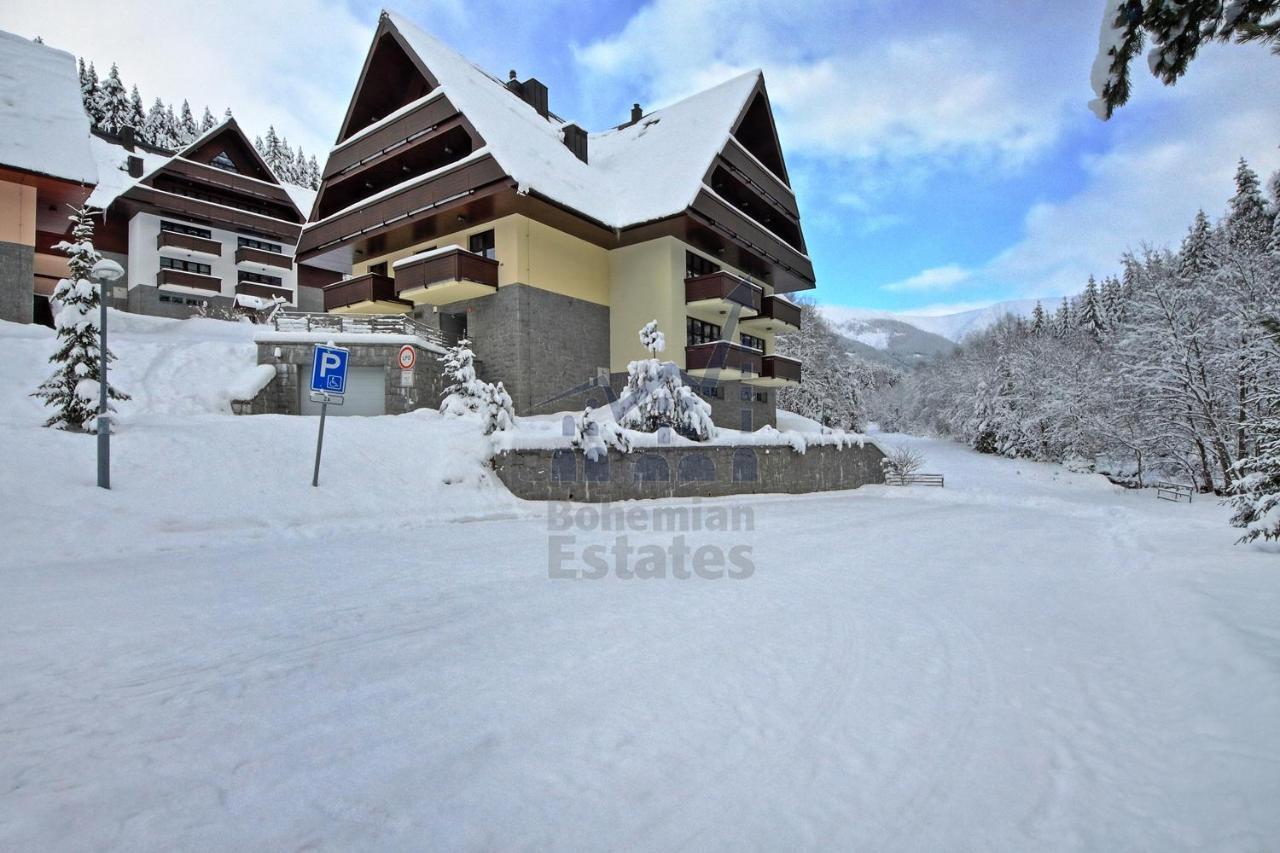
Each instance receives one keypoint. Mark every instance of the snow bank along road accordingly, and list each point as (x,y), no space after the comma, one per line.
(1028,659)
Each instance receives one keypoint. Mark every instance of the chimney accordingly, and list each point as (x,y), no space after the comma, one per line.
(636,113)
(135,166)
(531,91)
(512,84)
(575,139)
(127,137)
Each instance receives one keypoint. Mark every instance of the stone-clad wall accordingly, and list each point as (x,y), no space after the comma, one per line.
(17,279)
(680,472)
(424,388)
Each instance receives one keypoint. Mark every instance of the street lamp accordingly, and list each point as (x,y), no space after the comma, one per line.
(105,271)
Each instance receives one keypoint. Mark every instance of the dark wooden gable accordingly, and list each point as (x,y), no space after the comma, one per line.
(228,142)
(393,75)
(757,133)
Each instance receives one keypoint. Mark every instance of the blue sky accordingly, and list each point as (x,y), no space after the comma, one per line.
(942,152)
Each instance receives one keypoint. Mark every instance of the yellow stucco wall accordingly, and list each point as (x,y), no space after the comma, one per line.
(17,213)
(639,283)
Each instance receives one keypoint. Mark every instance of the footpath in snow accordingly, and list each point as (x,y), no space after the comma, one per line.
(1029,659)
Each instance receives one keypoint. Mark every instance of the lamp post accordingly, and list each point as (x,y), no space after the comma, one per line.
(105,271)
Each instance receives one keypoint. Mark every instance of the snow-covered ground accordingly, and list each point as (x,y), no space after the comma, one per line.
(213,655)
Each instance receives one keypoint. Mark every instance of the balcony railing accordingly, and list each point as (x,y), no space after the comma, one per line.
(188,279)
(722,290)
(451,264)
(360,324)
(265,291)
(370,288)
(189,242)
(250,255)
(781,368)
(776,315)
(726,357)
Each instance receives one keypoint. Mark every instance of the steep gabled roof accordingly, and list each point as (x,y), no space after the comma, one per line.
(645,171)
(43,126)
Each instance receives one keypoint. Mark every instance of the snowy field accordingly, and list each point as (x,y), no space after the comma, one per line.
(204,658)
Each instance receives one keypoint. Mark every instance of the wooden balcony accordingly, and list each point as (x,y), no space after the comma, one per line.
(789,270)
(713,296)
(366,294)
(777,371)
(181,278)
(234,219)
(394,134)
(777,315)
(188,242)
(264,291)
(764,182)
(446,275)
(250,255)
(722,360)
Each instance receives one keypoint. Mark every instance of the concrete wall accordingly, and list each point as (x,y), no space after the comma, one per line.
(567,475)
(419,388)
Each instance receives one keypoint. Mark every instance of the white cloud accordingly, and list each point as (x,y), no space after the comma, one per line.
(930,280)
(291,63)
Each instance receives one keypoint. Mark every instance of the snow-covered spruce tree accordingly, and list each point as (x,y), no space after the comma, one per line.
(1256,497)
(155,127)
(1039,321)
(496,409)
(137,113)
(464,394)
(114,113)
(207,122)
(656,396)
(830,391)
(188,131)
(1091,317)
(594,435)
(89,94)
(73,388)
(1177,29)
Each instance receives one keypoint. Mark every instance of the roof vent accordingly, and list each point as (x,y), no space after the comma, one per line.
(135,166)
(575,139)
(636,113)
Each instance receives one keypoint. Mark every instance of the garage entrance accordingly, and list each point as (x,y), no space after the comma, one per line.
(366,393)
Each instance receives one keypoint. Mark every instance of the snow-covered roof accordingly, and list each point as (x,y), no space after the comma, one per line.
(43,126)
(635,174)
(114,179)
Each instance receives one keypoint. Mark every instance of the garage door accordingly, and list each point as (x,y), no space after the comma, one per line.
(366,393)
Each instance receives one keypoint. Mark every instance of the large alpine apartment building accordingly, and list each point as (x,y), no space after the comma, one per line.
(463,200)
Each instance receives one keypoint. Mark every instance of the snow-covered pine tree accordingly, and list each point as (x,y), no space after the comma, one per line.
(1039,323)
(1256,498)
(137,114)
(313,174)
(89,95)
(270,149)
(656,396)
(113,113)
(298,173)
(1195,258)
(155,128)
(464,393)
(207,121)
(1091,317)
(188,131)
(1113,302)
(1248,224)
(1062,321)
(1177,29)
(594,435)
(73,387)
(172,130)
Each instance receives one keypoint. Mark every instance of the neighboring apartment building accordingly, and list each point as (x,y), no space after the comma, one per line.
(46,169)
(208,225)
(464,201)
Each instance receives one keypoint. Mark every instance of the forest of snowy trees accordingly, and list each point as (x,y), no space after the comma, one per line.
(112,108)
(1170,370)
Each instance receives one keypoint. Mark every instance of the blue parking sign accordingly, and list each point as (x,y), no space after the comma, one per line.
(329,370)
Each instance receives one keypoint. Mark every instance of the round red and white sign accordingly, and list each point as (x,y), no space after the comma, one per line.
(408,357)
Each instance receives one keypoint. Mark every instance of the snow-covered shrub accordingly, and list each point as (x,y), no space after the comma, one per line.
(594,436)
(1257,492)
(497,410)
(466,394)
(73,387)
(657,397)
(902,461)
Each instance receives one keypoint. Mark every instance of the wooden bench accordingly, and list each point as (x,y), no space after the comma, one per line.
(914,480)
(1166,491)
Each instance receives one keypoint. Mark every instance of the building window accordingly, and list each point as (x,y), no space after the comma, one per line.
(258,278)
(250,243)
(482,244)
(380,268)
(696,265)
(752,342)
(700,332)
(185,266)
(762,396)
(179,228)
(223,162)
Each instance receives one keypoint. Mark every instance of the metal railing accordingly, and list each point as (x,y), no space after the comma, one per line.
(1167,491)
(914,480)
(360,324)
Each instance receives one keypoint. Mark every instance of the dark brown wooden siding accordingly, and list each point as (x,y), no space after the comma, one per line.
(416,122)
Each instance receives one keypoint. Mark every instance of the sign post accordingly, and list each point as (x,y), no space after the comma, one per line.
(328,385)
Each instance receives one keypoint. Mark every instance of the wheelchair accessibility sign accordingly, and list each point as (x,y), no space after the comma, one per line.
(329,370)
